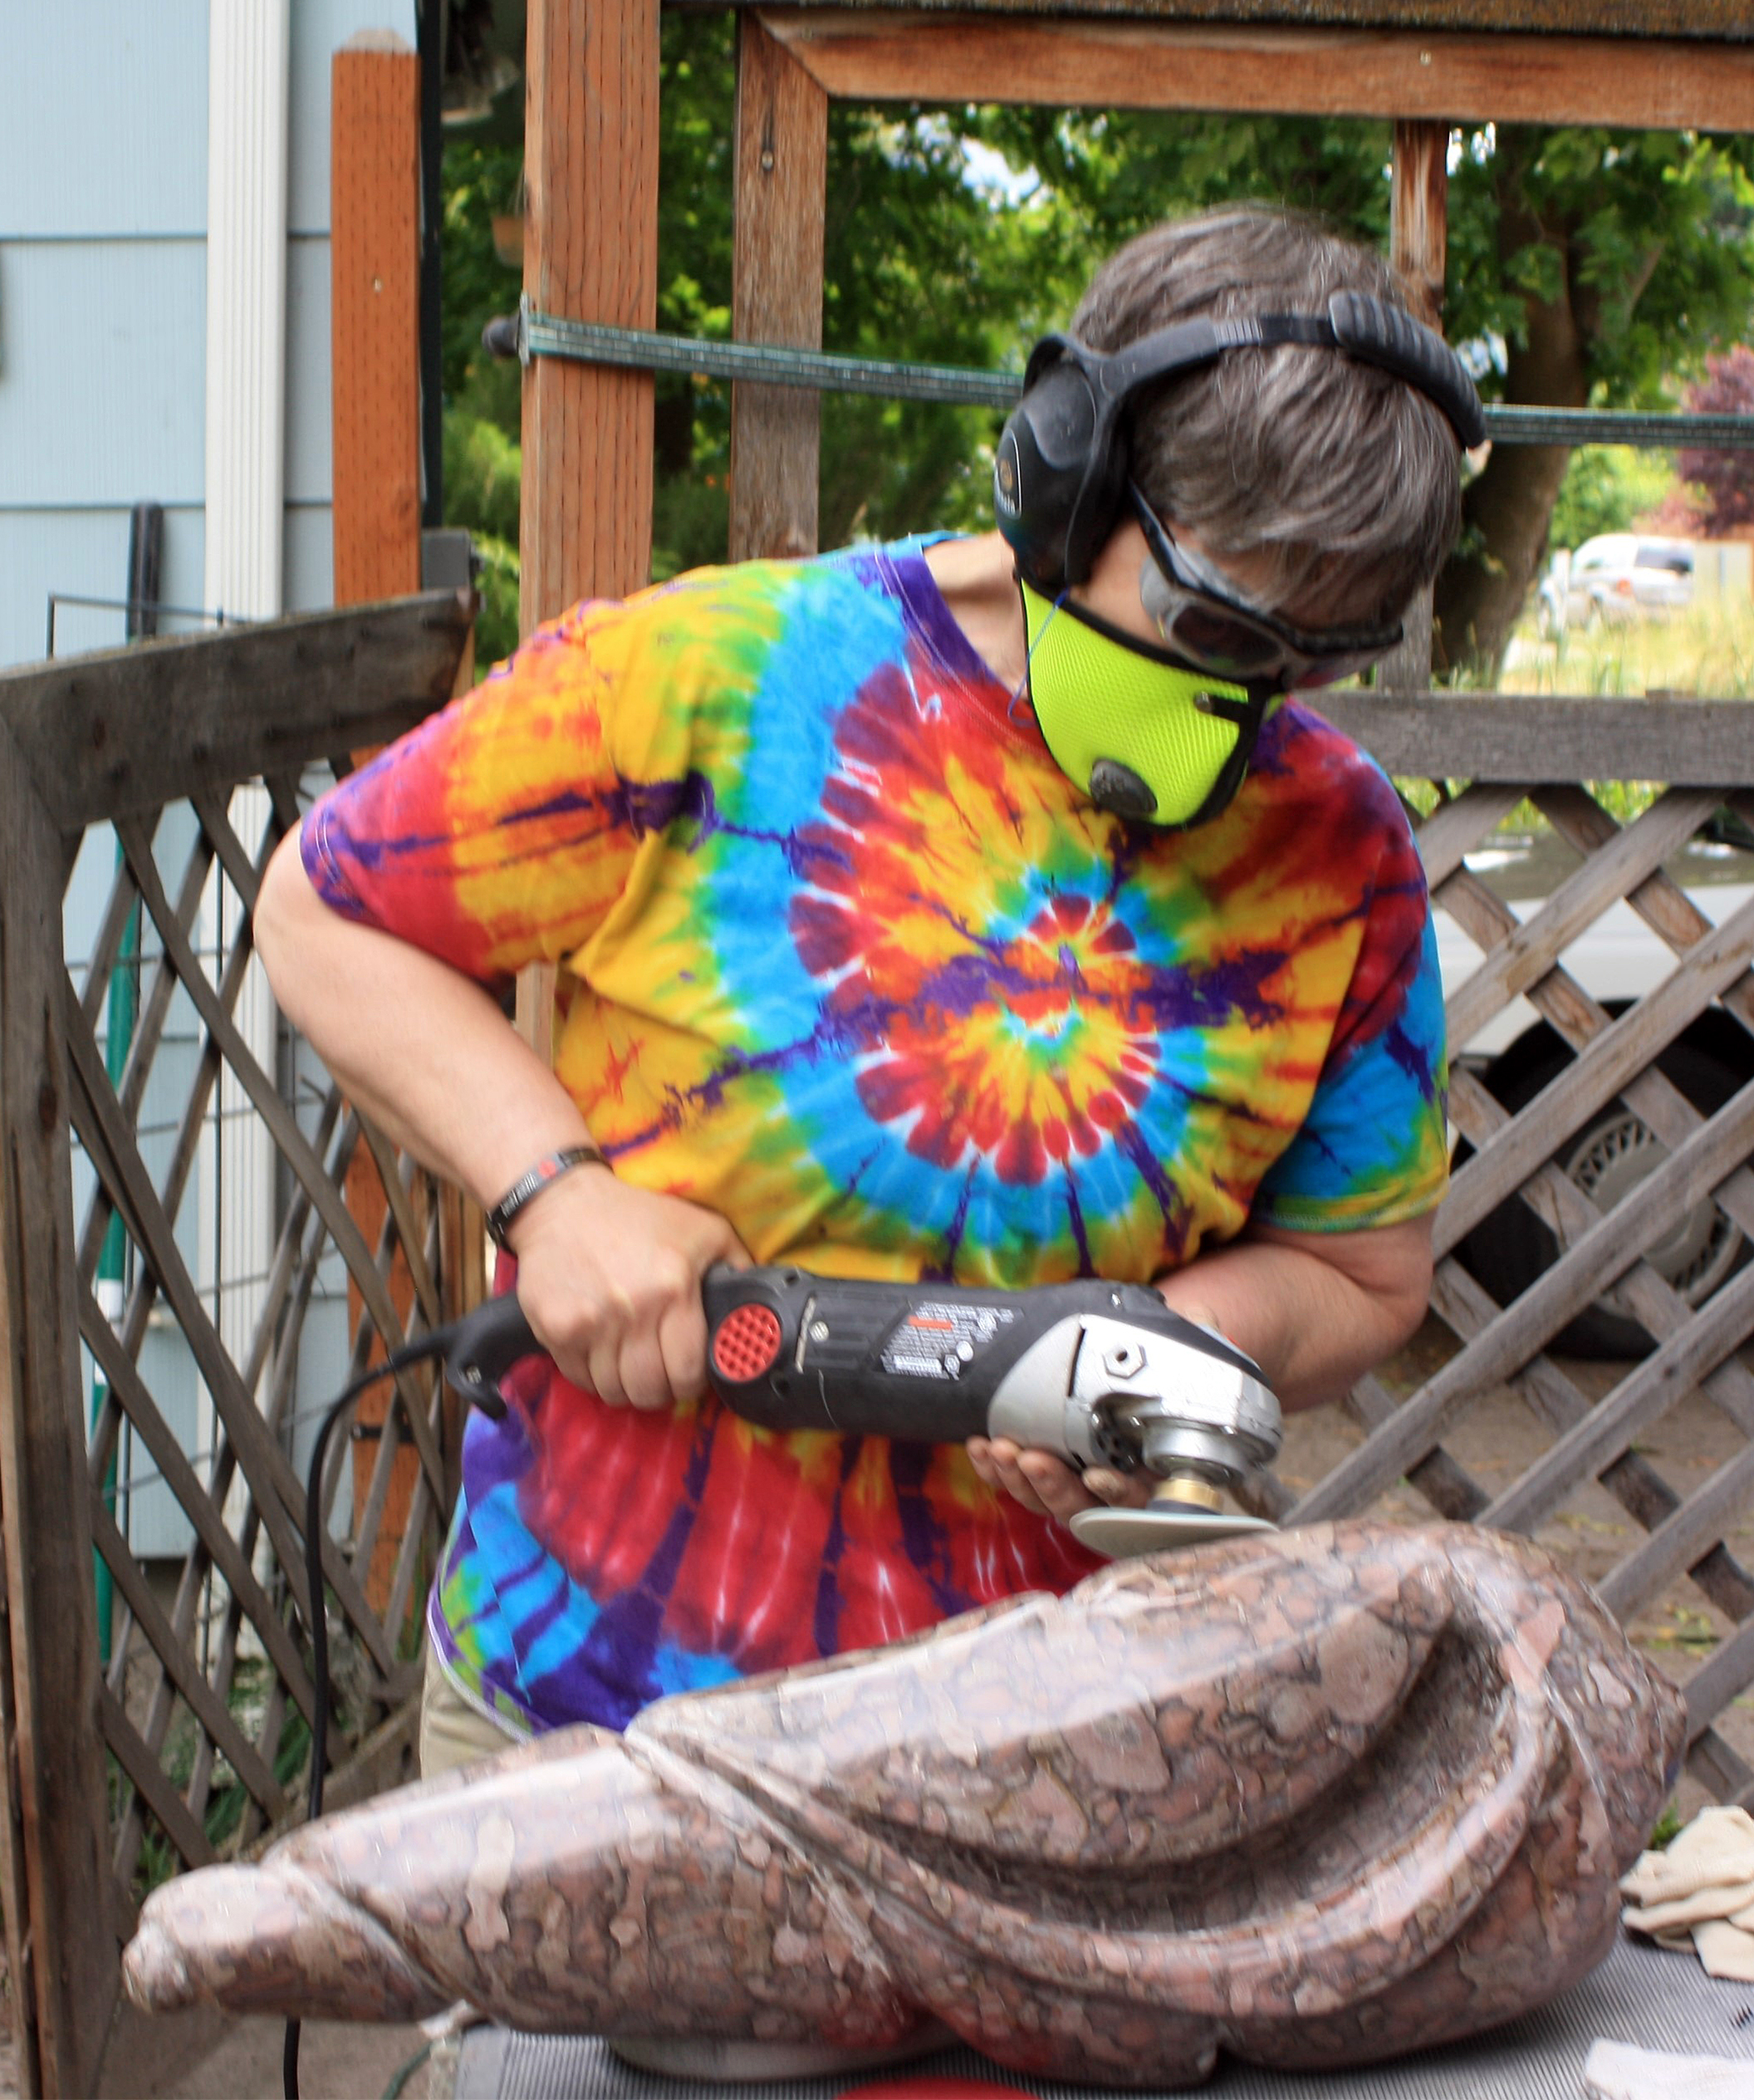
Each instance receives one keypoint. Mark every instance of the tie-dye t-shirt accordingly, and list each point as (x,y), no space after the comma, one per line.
(843,955)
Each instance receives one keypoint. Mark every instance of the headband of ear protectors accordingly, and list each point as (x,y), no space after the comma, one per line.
(1060,475)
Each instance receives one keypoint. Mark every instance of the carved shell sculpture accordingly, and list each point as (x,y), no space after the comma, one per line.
(1312,1797)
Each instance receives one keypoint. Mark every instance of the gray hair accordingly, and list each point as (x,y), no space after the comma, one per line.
(1346,479)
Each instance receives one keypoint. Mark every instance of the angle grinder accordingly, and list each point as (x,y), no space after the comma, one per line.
(1100,1374)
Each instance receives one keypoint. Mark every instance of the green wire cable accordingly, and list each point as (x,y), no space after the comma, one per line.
(398,2085)
(112,1260)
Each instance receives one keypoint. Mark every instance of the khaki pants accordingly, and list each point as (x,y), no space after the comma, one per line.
(452,1731)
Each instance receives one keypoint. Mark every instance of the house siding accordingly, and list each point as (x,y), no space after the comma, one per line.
(103,332)
(103,209)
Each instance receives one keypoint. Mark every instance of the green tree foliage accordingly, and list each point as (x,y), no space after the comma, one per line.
(1608,488)
(1584,266)
(918,264)
(1113,174)
(1606,264)
(482,405)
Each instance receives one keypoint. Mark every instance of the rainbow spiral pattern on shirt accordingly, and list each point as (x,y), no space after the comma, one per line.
(844,956)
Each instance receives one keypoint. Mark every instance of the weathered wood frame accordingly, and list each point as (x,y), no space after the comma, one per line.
(85,743)
(792,59)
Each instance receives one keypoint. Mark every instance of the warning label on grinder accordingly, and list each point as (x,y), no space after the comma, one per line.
(938,1341)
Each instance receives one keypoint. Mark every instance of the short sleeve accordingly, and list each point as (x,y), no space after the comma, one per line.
(1373,1149)
(499,833)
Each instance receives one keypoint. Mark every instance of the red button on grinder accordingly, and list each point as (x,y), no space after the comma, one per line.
(746,1343)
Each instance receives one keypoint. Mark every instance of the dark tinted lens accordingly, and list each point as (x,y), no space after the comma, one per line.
(1220,642)
(1328,670)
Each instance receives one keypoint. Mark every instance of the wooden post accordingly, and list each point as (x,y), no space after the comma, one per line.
(782,173)
(58,1807)
(1419,238)
(374,377)
(590,253)
(375,295)
(15,1895)
(1418,213)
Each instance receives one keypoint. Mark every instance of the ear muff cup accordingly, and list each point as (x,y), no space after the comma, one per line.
(1059,470)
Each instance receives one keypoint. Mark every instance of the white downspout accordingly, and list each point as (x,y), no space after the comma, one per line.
(248,63)
(249,67)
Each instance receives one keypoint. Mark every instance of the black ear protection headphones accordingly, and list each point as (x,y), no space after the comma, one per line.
(1060,476)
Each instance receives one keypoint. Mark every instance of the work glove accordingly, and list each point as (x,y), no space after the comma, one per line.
(1699,1893)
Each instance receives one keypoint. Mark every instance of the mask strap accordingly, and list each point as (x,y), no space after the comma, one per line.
(1022,694)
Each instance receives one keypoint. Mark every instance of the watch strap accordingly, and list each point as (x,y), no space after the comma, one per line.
(531,1183)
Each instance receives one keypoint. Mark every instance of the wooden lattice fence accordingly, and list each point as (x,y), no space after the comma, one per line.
(149,1102)
(1610,1073)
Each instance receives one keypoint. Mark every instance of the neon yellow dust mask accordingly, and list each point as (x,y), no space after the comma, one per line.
(1144,735)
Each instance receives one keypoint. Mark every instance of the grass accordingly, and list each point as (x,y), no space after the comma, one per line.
(246,1700)
(1669,1828)
(1622,799)
(1706,653)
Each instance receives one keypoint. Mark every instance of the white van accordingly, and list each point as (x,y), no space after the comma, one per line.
(1615,578)
(1619,577)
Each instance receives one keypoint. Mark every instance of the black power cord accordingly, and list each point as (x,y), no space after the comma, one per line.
(436,1343)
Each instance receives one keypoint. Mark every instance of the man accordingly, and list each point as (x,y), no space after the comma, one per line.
(966,908)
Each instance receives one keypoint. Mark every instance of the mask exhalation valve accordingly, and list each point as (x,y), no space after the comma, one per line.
(1118,789)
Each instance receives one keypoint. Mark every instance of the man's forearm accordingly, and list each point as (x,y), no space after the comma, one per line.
(1314,1326)
(609,1273)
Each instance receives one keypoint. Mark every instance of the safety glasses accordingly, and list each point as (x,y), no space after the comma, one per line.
(1200,619)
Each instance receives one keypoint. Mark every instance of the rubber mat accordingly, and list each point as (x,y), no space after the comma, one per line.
(1640,1995)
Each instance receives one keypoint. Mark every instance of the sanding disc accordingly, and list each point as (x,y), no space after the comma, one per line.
(1121,1533)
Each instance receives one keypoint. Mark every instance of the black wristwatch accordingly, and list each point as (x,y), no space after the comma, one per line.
(527,1186)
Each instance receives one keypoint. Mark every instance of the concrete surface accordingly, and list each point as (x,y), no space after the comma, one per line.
(338,2060)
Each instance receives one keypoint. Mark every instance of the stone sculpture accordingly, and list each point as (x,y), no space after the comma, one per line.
(1313,1797)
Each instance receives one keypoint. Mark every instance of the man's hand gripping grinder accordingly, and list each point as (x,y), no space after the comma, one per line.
(1099,1374)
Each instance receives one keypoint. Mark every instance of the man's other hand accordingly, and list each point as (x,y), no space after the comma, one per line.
(1048,1485)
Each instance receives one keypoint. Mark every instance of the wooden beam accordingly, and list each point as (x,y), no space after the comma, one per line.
(1519,737)
(899,56)
(61,1796)
(1418,239)
(591,252)
(97,732)
(1419,215)
(374,310)
(781,174)
(1713,20)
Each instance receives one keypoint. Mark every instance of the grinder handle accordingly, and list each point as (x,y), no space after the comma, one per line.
(497,1335)
(489,1342)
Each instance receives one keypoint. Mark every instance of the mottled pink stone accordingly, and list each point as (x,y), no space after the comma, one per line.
(1313,1797)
